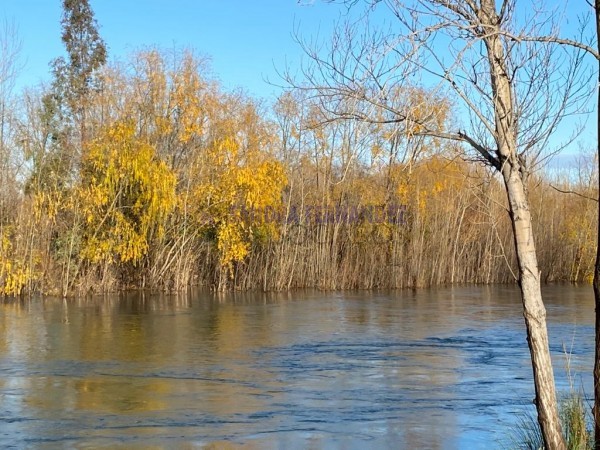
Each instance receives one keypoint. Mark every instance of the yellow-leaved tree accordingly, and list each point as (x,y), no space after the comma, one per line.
(14,270)
(240,184)
(126,194)
(241,198)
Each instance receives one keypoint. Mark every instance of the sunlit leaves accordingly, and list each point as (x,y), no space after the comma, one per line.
(15,273)
(237,194)
(126,194)
(183,182)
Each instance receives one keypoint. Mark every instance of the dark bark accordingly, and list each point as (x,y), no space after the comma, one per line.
(596,409)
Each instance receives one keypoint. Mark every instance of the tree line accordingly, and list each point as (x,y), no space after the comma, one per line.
(146,173)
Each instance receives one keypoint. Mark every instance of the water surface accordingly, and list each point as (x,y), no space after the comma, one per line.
(439,368)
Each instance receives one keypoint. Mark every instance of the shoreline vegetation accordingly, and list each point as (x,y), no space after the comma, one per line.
(145,173)
(172,182)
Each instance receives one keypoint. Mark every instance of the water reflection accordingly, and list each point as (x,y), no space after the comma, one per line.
(440,368)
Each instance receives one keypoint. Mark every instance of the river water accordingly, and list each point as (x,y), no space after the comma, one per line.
(437,368)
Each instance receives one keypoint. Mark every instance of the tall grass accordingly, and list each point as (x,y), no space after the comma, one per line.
(575,420)
(575,416)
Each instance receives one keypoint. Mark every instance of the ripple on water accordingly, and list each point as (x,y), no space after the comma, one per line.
(437,369)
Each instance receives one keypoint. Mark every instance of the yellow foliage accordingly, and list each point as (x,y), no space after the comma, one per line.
(47,204)
(187,84)
(231,243)
(14,272)
(436,180)
(239,193)
(171,102)
(126,193)
(425,112)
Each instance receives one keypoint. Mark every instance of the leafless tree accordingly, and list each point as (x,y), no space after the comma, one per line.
(10,48)
(512,92)
(590,44)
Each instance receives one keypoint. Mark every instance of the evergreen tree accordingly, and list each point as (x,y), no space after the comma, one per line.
(76,76)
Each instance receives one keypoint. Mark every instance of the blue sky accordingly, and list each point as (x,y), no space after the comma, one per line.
(245,40)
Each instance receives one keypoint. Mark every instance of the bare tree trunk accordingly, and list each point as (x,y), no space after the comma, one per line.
(514,171)
(533,310)
(596,283)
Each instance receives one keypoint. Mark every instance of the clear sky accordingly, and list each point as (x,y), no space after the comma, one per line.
(245,40)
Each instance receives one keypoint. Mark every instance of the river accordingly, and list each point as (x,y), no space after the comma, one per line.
(443,368)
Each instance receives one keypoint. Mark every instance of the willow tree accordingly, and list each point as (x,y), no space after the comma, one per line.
(512,94)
